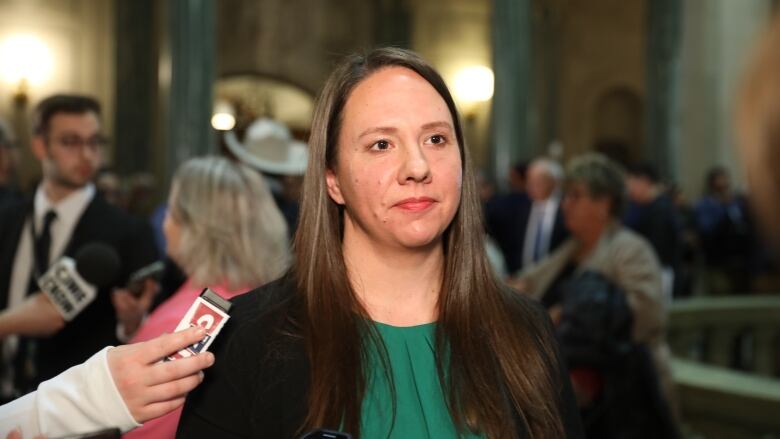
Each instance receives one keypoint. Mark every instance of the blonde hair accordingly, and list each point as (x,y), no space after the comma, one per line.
(758,126)
(232,233)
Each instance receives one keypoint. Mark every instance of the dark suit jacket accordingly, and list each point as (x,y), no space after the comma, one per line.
(95,327)
(557,237)
(657,222)
(507,219)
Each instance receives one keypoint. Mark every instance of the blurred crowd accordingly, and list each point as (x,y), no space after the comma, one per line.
(708,246)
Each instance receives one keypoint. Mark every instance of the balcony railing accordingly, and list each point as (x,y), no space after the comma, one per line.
(711,338)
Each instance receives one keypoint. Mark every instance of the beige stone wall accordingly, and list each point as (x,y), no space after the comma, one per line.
(453,34)
(299,41)
(717,35)
(80,35)
(294,40)
(602,48)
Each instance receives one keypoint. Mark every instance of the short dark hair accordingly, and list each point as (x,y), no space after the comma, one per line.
(521,168)
(713,174)
(61,103)
(601,177)
(644,170)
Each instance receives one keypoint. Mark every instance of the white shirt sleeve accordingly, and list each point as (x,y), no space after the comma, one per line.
(82,399)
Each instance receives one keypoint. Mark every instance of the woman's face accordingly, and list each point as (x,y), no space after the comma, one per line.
(582,212)
(398,172)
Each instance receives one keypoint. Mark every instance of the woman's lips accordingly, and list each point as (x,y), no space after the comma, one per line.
(415,204)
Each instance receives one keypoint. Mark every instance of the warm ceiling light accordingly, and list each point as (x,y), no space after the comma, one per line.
(473,84)
(26,60)
(223,118)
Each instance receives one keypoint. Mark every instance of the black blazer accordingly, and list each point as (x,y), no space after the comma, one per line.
(507,220)
(259,382)
(506,217)
(95,327)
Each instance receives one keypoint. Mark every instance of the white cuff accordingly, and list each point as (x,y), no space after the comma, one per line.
(82,399)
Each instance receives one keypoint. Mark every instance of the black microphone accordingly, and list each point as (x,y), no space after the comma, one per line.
(72,283)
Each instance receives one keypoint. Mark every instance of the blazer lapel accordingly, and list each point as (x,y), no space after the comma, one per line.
(85,227)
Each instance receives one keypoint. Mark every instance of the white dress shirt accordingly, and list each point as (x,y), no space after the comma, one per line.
(82,399)
(542,215)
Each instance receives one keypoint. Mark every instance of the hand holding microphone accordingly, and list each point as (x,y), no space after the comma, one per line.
(35,317)
(151,388)
(66,289)
(131,309)
(148,388)
(72,284)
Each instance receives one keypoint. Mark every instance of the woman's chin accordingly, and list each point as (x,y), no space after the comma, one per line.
(420,241)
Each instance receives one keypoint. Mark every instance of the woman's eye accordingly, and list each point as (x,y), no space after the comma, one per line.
(381,145)
(437,139)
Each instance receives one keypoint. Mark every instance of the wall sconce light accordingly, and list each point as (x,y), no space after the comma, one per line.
(224,116)
(472,85)
(26,62)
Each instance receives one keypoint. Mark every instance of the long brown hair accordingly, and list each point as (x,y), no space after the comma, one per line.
(498,360)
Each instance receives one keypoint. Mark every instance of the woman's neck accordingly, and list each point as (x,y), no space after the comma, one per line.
(396,286)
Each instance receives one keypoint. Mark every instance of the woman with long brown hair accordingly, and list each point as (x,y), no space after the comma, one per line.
(390,322)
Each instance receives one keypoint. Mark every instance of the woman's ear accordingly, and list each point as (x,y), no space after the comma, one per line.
(38,147)
(334,190)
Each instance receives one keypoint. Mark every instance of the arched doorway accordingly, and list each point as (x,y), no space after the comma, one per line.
(619,124)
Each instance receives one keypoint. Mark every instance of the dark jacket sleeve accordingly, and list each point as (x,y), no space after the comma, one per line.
(221,405)
(258,384)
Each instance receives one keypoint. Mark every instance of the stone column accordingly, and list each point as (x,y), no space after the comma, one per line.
(512,70)
(664,19)
(136,83)
(192,59)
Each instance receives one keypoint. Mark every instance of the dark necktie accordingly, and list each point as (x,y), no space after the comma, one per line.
(41,249)
(43,241)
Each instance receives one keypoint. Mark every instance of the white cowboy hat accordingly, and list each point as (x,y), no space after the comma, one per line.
(269,147)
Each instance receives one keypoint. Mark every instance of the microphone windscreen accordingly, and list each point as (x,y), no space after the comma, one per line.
(97,263)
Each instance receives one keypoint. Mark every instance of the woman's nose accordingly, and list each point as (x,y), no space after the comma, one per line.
(415,167)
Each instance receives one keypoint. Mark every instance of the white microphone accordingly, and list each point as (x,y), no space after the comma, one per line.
(72,283)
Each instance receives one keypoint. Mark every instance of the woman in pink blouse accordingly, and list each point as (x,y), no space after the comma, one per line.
(226,233)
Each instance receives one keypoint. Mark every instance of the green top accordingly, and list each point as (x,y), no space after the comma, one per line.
(421,407)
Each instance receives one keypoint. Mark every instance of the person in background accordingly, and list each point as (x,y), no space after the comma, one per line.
(544,224)
(600,245)
(109,185)
(269,147)
(505,214)
(9,189)
(64,215)
(118,387)
(651,213)
(225,231)
(391,322)
(685,277)
(726,235)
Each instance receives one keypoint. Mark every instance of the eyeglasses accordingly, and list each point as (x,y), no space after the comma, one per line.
(74,143)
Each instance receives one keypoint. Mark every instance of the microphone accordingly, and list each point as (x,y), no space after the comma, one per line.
(72,283)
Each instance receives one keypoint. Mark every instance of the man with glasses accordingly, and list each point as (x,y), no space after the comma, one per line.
(64,215)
